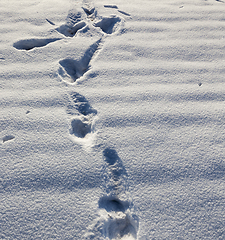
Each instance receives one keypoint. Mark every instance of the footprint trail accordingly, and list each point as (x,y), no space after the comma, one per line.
(117,220)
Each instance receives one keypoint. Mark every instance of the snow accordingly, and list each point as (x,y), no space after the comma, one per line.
(112,119)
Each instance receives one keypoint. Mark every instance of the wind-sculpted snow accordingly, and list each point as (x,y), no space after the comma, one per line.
(51,180)
(112,202)
(112,120)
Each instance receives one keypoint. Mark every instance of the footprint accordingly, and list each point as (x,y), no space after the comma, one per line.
(29,44)
(115,7)
(116,218)
(115,175)
(52,23)
(82,115)
(121,226)
(111,6)
(78,104)
(74,22)
(109,25)
(124,13)
(72,69)
(80,127)
(8,138)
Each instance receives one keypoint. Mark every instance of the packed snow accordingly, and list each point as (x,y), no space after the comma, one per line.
(112,119)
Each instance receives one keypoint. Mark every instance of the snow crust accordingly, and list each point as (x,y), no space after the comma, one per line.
(112,119)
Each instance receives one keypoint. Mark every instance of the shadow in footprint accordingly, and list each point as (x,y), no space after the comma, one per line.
(29,44)
(76,69)
(72,67)
(80,128)
(112,203)
(109,24)
(110,156)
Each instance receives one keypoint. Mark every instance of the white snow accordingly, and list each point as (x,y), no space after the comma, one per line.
(112,119)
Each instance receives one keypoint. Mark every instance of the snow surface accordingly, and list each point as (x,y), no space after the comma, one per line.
(112,119)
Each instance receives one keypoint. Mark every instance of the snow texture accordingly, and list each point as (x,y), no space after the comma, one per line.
(112,119)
